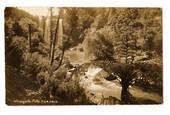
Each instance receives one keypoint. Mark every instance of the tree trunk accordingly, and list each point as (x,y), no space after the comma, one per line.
(124,93)
(44,28)
(54,42)
(29,37)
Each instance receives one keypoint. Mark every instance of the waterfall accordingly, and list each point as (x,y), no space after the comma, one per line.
(59,40)
(47,31)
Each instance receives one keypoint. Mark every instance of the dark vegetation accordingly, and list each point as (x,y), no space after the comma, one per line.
(123,41)
(30,70)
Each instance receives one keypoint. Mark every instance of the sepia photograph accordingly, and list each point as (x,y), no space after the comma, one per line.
(83,55)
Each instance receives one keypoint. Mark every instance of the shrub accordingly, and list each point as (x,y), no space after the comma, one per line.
(70,92)
(66,91)
(33,64)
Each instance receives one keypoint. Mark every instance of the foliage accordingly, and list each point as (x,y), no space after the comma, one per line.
(152,32)
(102,34)
(98,43)
(77,20)
(16,14)
(63,88)
(125,33)
(133,23)
(33,64)
(17,21)
(70,92)
(14,51)
(151,76)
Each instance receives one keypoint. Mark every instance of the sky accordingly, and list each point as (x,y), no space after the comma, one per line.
(38,11)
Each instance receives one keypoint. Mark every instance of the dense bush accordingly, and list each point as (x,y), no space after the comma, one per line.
(151,78)
(14,51)
(65,89)
(99,43)
(34,63)
(71,93)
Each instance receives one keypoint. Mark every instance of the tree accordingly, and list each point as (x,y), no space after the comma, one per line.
(104,48)
(125,48)
(126,23)
(127,74)
(125,34)
(77,21)
(70,17)
(152,31)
